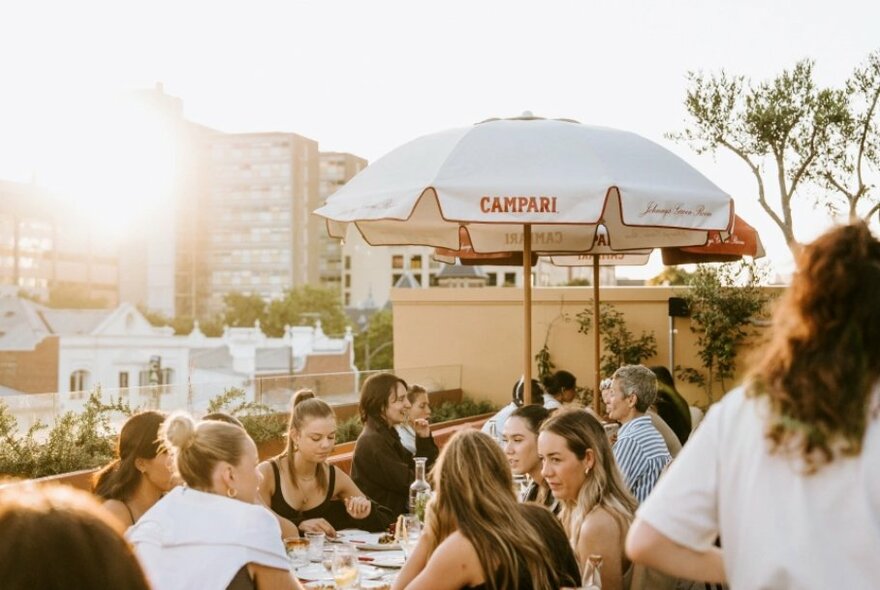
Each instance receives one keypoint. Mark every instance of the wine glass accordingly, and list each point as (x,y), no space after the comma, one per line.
(407,532)
(345,566)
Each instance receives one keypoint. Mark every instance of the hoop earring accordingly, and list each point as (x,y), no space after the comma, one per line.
(587,470)
(231,492)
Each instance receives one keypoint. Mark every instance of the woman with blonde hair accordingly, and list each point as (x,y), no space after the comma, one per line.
(476,533)
(597,508)
(140,473)
(786,469)
(300,486)
(211,533)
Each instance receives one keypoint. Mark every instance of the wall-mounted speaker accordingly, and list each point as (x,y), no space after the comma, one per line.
(678,308)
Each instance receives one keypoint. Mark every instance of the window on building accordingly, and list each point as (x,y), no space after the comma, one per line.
(510,279)
(347,281)
(432,279)
(348,263)
(394,278)
(415,263)
(397,261)
(79,380)
(123,379)
(493,279)
(417,278)
(167,376)
(347,299)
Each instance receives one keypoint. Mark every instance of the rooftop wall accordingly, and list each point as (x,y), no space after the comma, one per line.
(482,330)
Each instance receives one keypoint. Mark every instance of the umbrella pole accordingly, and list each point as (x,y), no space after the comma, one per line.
(527,314)
(596,332)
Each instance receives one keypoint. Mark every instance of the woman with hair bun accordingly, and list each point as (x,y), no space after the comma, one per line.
(211,533)
(300,486)
(141,472)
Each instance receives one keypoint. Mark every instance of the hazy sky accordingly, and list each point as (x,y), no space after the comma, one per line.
(364,77)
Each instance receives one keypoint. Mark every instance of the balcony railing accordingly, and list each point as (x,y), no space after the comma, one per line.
(274,392)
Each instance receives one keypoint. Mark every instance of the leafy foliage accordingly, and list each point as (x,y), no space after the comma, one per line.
(670,275)
(380,336)
(723,300)
(619,345)
(545,365)
(301,306)
(348,430)
(260,421)
(793,136)
(243,311)
(465,408)
(75,442)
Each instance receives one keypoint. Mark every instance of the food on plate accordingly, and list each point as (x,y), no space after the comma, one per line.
(386,539)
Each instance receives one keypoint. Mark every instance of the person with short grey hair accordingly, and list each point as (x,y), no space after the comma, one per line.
(640,450)
(639,381)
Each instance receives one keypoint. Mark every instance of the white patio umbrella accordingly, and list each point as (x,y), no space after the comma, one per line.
(512,183)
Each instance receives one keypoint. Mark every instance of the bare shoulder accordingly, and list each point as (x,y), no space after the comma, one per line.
(268,483)
(454,564)
(119,510)
(599,525)
(457,550)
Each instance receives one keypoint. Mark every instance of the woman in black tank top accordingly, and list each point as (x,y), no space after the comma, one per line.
(299,484)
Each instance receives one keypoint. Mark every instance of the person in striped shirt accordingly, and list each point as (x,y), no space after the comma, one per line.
(640,450)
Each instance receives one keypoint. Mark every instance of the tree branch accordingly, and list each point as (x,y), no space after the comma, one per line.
(762,197)
(864,137)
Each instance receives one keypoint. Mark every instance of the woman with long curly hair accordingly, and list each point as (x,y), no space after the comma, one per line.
(476,533)
(786,469)
(597,508)
(141,472)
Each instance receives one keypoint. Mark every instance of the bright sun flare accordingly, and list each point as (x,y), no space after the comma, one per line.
(114,164)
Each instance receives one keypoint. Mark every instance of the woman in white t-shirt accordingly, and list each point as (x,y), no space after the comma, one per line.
(211,533)
(786,470)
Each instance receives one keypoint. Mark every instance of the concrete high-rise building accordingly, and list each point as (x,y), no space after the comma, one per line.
(46,246)
(336,169)
(262,237)
(161,264)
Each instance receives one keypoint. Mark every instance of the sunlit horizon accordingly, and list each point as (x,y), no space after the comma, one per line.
(365,78)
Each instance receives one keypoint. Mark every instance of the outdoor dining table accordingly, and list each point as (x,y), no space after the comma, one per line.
(380,563)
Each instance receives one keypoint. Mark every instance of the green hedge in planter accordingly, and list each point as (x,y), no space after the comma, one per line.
(74,442)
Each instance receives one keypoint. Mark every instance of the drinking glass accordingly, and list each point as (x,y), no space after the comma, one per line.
(407,532)
(345,566)
(297,551)
(316,545)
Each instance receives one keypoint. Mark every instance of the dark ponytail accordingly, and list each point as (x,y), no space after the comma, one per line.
(138,439)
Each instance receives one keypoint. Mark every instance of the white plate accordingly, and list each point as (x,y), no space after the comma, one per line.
(393,561)
(366,541)
(316,572)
